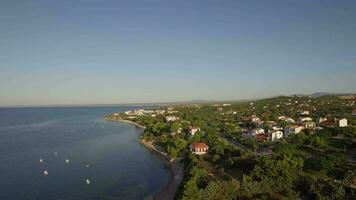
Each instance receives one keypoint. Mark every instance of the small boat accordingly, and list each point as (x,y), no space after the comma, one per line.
(41,160)
(88,181)
(67,161)
(55,153)
(88,165)
(45,172)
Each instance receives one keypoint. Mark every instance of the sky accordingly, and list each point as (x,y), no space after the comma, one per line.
(116,51)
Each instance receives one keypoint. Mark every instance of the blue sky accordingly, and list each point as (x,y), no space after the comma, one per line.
(85,51)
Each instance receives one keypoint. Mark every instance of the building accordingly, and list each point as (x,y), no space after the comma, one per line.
(341,122)
(171,118)
(199,148)
(160,112)
(275,135)
(257,120)
(193,130)
(304,112)
(322,119)
(304,119)
(309,124)
(290,130)
(255,132)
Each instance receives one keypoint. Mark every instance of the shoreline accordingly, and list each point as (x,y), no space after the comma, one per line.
(169,190)
(128,121)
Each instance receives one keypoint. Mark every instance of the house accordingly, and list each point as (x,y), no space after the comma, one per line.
(290,130)
(276,135)
(257,120)
(199,148)
(304,112)
(172,111)
(255,132)
(171,118)
(304,119)
(160,112)
(193,130)
(322,119)
(309,124)
(282,117)
(226,104)
(276,128)
(290,120)
(341,122)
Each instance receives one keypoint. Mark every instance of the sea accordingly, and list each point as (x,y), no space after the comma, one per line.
(73,153)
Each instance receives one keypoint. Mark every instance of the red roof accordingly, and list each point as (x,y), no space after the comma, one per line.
(199,145)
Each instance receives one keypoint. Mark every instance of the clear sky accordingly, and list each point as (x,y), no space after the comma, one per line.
(85,51)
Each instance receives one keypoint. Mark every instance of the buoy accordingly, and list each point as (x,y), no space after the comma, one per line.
(88,181)
(45,172)
(41,160)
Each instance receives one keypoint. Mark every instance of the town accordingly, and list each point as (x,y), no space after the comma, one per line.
(286,147)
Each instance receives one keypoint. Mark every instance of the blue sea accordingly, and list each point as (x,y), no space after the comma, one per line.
(105,153)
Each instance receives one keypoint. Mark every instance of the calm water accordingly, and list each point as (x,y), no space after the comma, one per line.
(120,168)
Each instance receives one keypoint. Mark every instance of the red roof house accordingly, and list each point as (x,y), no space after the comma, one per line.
(199,148)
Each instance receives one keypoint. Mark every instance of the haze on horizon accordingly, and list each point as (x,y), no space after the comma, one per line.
(108,51)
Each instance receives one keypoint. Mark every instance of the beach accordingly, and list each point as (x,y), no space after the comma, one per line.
(169,191)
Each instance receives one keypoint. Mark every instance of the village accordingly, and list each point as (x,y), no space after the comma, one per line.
(227,137)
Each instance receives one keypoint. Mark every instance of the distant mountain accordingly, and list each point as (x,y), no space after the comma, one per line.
(320,94)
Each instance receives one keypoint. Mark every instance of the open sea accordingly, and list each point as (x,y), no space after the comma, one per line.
(107,154)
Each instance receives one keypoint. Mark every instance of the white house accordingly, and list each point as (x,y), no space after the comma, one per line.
(305,119)
(309,124)
(322,119)
(292,130)
(304,112)
(257,120)
(255,132)
(193,130)
(160,112)
(171,118)
(341,122)
(290,120)
(276,135)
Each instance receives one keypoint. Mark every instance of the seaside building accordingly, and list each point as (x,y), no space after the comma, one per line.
(276,135)
(341,122)
(171,118)
(304,119)
(255,132)
(309,124)
(354,113)
(199,148)
(193,130)
(290,130)
(322,119)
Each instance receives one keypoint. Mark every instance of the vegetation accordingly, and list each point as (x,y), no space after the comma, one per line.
(317,163)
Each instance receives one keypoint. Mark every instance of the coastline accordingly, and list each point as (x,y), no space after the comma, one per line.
(128,121)
(168,191)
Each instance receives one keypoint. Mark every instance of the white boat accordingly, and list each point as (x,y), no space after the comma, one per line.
(88,181)
(88,165)
(55,153)
(41,160)
(67,161)
(45,172)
